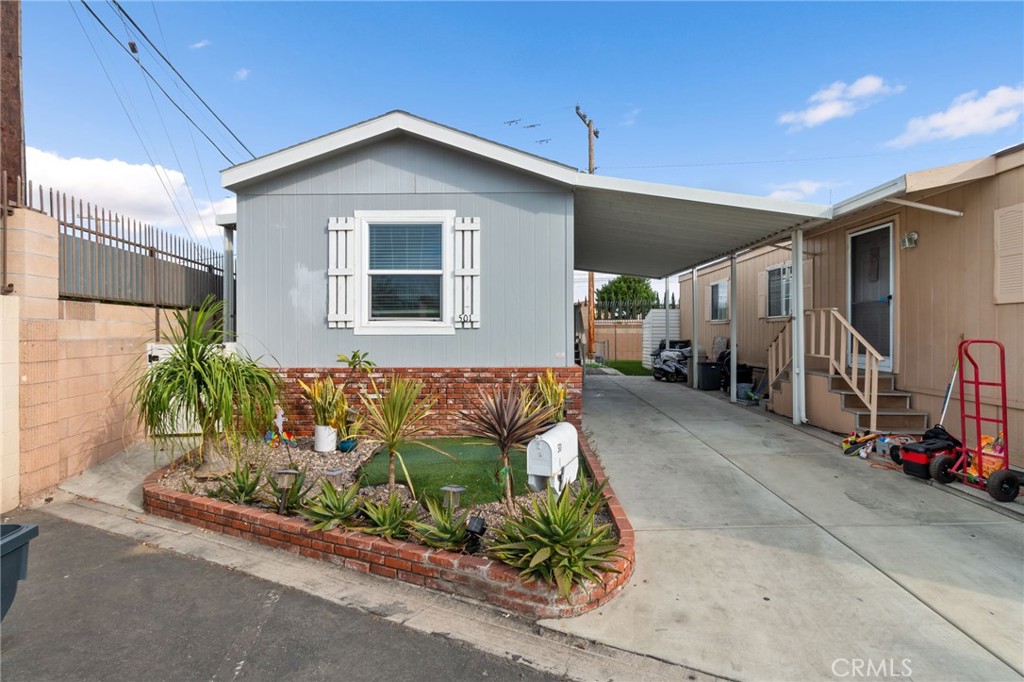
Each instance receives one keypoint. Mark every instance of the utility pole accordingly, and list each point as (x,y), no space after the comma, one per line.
(591,134)
(12,120)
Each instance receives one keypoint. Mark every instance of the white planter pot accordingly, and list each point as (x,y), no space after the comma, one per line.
(325,439)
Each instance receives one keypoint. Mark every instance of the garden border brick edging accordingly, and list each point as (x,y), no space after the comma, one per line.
(469,576)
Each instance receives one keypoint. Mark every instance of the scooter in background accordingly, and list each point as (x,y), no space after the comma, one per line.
(669,365)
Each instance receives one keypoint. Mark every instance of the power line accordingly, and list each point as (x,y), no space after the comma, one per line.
(128,116)
(183,79)
(155,82)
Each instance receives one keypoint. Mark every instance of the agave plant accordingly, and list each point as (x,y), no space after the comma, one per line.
(395,415)
(332,508)
(558,541)
(388,519)
(445,530)
(506,420)
(226,395)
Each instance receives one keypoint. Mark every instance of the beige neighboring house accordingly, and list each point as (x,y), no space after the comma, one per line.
(903,276)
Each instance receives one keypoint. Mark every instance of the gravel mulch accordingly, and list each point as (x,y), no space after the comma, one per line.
(303,458)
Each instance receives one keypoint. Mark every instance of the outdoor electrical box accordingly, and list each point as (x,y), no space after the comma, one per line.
(552,458)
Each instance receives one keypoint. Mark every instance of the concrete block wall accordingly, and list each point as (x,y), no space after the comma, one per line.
(73,360)
(620,339)
(9,395)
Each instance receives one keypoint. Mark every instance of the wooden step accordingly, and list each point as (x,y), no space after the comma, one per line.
(886,400)
(886,383)
(890,419)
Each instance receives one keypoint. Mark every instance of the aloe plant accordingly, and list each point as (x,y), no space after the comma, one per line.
(446,530)
(388,519)
(558,541)
(241,486)
(332,508)
(506,419)
(228,396)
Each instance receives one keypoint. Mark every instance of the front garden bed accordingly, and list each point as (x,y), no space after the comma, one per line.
(467,575)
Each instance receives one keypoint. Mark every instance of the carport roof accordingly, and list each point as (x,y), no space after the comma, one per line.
(620,226)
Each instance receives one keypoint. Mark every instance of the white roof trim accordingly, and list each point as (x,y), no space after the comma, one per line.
(704,196)
(387,124)
(225,219)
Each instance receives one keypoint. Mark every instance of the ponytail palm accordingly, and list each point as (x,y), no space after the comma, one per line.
(226,395)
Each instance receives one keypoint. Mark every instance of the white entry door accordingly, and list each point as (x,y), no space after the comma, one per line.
(869,289)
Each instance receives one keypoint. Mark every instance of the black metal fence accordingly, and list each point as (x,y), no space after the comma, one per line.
(627,310)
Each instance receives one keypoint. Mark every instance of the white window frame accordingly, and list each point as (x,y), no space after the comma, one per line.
(364,326)
(786,314)
(711,311)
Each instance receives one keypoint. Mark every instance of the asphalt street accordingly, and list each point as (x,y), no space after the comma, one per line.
(98,606)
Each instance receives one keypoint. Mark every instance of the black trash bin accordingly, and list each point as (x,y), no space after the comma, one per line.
(709,376)
(14,539)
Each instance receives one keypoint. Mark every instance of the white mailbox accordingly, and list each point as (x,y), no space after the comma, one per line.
(552,458)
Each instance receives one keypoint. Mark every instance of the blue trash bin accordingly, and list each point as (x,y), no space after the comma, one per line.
(14,539)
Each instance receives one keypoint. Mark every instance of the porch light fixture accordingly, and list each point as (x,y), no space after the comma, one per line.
(909,240)
(284,478)
(452,494)
(336,477)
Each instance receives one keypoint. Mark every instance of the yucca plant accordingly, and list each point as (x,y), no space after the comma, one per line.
(226,395)
(552,394)
(506,420)
(323,397)
(388,519)
(395,415)
(332,508)
(558,541)
(240,486)
(446,530)
(347,422)
(294,495)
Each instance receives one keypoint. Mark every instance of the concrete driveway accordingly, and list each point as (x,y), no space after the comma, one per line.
(764,554)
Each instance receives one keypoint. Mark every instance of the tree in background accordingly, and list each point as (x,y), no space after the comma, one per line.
(627,288)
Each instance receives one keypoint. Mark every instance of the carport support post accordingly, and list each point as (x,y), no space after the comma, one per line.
(667,334)
(799,376)
(733,314)
(229,282)
(694,346)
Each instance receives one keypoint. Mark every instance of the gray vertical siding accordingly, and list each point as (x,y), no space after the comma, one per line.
(526,257)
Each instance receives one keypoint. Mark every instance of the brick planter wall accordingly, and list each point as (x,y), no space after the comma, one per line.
(469,576)
(455,388)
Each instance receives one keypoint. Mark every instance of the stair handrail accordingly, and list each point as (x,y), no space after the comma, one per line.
(832,337)
(780,352)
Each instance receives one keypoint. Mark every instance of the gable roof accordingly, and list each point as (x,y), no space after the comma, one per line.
(620,226)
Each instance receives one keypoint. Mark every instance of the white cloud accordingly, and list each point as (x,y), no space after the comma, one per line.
(839,100)
(242,74)
(629,119)
(200,44)
(799,190)
(969,114)
(132,190)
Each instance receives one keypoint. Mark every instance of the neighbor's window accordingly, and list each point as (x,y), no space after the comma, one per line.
(720,301)
(779,285)
(405,271)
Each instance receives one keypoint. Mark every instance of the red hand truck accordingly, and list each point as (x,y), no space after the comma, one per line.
(983,461)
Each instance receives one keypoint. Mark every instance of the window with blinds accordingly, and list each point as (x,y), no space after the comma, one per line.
(405,271)
(779,284)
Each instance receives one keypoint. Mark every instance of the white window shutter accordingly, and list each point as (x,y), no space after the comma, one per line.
(762,294)
(808,284)
(1009,254)
(467,273)
(340,272)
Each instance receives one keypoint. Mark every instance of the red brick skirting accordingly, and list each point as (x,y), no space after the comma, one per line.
(455,390)
(469,576)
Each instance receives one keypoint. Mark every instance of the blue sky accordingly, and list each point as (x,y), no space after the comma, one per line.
(808,101)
